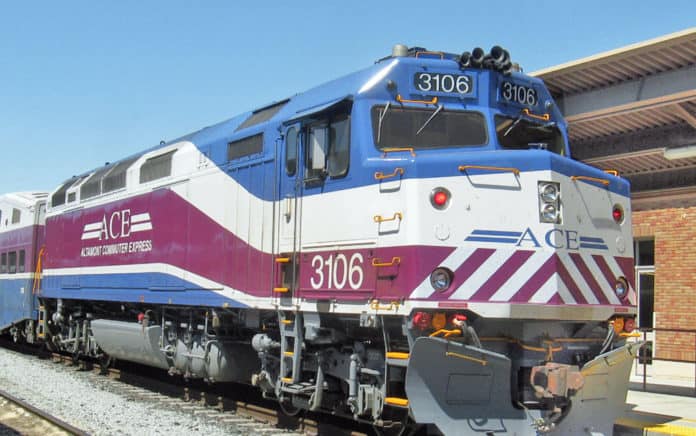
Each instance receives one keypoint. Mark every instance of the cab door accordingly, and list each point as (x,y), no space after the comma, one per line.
(287,213)
(335,225)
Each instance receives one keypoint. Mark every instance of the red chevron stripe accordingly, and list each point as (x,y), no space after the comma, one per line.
(569,282)
(502,274)
(589,278)
(535,282)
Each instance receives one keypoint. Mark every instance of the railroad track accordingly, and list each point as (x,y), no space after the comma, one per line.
(18,416)
(252,415)
(237,407)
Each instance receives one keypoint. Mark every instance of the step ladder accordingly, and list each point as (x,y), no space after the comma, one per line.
(291,339)
(397,359)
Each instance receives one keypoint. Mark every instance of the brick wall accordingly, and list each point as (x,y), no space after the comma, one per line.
(674,232)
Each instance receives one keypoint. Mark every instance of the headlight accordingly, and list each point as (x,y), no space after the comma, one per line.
(549,213)
(441,279)
(549,202)
(621,288)
(548,192)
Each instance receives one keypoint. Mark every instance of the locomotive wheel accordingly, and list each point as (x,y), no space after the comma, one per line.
(105,362)
(288,409)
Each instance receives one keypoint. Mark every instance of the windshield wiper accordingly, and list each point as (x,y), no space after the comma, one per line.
(437,111)
(382,114)
(545,127)
(513,125)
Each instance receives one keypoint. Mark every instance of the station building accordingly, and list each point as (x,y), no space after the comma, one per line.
(633,110)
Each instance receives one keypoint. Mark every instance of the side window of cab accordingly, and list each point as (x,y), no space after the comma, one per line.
(328,147)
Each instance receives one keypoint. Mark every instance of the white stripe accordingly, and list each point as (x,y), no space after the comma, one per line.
(520,277)
(546,291)
(453,261)
(576,275)
(600,279)
(16,276)
(481,275)
(93,226)
(140,217)
(565,294)
(91,235)
(135,228)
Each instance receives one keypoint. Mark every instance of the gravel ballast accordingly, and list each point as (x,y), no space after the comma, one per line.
(75,398)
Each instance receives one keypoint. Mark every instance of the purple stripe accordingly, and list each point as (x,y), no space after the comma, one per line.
(465,270)
(606,271)
(569,282)
(536,281)
(589,278)
(556,300)
(508,268)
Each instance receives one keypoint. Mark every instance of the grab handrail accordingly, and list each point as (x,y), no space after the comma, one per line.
(489,168)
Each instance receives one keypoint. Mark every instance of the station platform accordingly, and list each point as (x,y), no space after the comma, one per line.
(666,407)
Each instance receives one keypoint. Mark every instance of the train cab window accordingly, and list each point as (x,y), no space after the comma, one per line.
(3,263)
(427,128)
(291,142)
(339,152)
(157,167)
(12,262)
(521,134)
(20,262)
(316,152)
(16,215)
(328,148)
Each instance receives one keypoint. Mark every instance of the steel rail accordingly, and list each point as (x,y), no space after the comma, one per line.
(43,415)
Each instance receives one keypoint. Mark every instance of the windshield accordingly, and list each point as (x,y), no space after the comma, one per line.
(519,133)
(427,128)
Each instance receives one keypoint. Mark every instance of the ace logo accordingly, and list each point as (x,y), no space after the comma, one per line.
(120,224)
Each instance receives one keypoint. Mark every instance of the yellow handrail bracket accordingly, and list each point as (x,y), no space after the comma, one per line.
(376,305)
(400,99)
(544,117)
(604,182)
(379,175)
(380,219)
(394,261)
(515,171)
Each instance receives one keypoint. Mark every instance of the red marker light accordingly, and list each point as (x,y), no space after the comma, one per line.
(617,213)
(421,320)
(440,198)
(629,325)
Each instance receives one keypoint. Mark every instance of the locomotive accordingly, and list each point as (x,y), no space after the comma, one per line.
(409,244)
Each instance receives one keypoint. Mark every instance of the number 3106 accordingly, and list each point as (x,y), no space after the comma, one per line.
(337,271)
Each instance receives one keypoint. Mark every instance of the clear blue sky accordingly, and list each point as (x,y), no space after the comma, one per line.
(86,82)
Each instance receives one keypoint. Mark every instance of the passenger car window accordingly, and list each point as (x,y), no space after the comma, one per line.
(20,264)
(12,262)
(3,263)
